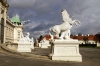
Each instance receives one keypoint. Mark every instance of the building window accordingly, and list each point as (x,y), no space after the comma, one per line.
(93,43)
(18,34)
(7,31)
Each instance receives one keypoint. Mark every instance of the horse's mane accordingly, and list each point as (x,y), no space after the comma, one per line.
(65,16)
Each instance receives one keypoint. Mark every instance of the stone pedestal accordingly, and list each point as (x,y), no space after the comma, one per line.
(65,50)
(25,44)
(98,44)
(24,47)
(44,44)
(32,45)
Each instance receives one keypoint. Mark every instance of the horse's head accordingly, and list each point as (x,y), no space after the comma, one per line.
(76,22)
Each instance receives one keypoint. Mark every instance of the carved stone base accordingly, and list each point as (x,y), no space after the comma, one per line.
(24,48)
(44,46)
(66,50)
(32,46)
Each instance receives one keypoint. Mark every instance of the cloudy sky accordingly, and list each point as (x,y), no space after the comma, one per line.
(39,15)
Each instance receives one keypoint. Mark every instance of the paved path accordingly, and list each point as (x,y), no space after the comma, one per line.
(91,57)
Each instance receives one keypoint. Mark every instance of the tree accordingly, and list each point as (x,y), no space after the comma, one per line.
(85,38)
(79,34)
(40,38)
(97,37)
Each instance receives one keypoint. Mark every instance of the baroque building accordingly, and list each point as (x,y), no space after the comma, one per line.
(10,29)
(18,28)
(3,11)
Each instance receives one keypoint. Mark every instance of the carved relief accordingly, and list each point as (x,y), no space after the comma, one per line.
(66,50)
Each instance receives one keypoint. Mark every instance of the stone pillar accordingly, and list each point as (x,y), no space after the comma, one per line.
(0,22)
(0,15)
(5,25)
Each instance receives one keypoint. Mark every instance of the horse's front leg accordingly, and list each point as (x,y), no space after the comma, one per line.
(57,35)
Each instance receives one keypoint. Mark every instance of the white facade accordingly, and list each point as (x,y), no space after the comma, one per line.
(17,33)
(89,41)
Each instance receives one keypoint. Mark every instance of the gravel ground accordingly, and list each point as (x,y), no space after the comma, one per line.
(90,57)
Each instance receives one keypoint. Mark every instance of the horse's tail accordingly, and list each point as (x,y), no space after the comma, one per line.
(50,33)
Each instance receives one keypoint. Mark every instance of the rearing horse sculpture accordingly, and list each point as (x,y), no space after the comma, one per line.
(64,28)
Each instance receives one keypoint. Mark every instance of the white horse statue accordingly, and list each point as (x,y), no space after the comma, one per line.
(63,29)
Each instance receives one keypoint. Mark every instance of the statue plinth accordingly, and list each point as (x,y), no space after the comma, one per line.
(24,47)
(25,44)
(65,50)
(44,43)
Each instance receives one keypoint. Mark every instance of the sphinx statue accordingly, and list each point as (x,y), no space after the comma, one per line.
(63,29)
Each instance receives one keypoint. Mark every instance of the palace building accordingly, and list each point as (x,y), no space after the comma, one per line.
(10,29)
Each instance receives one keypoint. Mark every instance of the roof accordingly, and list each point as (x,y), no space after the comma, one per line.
(15,19)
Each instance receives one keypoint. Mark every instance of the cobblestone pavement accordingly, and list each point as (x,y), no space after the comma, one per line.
(90,56)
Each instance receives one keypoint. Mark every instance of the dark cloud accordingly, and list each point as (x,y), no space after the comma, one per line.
(43,14)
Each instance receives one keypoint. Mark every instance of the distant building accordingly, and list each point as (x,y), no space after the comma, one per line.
(88,39)
(83,39)
(10,29)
